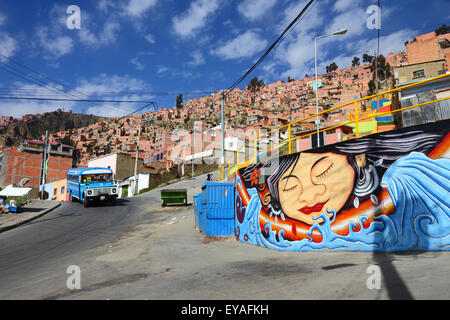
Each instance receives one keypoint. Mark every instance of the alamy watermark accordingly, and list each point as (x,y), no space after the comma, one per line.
(73,21)
(374,19)
(74,280)
(374,280)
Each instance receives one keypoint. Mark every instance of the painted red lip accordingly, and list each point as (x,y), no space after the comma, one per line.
(316,208)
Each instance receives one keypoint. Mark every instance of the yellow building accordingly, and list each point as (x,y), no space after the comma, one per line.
(59,190)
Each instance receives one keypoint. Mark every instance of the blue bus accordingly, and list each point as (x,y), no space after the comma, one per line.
(91,184)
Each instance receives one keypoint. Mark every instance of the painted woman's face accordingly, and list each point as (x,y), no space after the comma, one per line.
(315,183)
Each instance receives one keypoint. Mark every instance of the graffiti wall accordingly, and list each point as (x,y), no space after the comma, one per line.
(385,192)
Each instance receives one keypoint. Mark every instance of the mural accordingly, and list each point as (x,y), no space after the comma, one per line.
(385,192)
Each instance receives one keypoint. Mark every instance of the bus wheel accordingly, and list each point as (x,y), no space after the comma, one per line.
(85,201)
(113,202)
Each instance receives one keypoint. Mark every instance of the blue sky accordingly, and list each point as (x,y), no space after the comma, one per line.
(139,49)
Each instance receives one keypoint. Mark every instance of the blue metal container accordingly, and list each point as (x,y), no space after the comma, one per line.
(200,211)
(218,209)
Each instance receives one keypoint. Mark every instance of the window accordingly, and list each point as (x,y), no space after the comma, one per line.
(419,73)
(63,189)
(55,191)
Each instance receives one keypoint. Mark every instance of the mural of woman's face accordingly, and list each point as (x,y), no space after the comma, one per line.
(315,183)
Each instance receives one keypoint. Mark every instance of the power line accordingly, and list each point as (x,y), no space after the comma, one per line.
(299,16)
(155,105)
(75,100)
(112,93)
(37,81)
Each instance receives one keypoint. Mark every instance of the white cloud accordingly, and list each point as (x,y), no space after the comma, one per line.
(311,20)
(2,19)
(104,83)
(197,59)
(54,46)
(388,43)
(139,66)
(243,46)
(8,45)
(52,37)
(161,69)
(138,8)
(18,108)
(107,35)
(104,5)
(190,22)
(150,38)
(255,9)
(343,5)
(354,20)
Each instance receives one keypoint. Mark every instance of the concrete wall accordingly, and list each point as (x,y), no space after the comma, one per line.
(120,163)
(108,161)
(17,165)
(384,192)
(431,69)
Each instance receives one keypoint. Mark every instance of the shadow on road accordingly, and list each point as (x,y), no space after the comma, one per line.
(393,282)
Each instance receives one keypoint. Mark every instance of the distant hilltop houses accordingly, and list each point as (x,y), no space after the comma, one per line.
(8,120)
(151,137)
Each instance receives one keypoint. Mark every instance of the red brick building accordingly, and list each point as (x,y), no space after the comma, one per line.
(25,161)
(429,47)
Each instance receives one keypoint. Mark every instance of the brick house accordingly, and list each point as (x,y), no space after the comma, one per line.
(25,161)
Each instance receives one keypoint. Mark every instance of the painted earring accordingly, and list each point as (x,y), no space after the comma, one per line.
(356,202)
(374,199)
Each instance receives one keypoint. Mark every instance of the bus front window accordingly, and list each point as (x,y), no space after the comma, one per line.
(97,178)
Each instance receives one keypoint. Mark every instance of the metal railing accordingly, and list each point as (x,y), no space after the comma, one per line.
(361,111)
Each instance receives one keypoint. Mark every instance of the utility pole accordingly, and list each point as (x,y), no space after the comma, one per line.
(376,77)
(193,151)
(136,162)
(222,123)
(44,165)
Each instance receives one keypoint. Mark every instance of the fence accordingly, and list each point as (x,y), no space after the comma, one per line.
(360,111)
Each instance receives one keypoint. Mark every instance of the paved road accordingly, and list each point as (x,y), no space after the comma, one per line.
(138,250)
(35,252)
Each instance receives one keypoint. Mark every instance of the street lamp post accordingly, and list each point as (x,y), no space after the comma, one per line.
(340,32)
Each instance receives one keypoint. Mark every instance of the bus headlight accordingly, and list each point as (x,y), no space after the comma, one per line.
(113,190)
(89,192)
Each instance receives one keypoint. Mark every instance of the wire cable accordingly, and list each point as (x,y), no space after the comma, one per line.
(299,16)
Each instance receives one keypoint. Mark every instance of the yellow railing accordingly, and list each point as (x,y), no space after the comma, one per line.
(356,117)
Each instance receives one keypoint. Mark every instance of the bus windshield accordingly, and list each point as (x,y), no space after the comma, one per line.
(96,178)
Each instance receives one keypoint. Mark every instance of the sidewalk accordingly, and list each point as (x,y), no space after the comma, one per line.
(31,211)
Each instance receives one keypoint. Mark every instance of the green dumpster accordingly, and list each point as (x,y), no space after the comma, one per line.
(173,196)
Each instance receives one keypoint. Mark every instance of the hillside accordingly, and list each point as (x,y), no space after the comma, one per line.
(52,121)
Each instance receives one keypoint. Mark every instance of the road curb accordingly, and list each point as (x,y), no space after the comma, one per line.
(19,223)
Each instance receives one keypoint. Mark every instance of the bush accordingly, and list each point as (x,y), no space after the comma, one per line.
(20,200)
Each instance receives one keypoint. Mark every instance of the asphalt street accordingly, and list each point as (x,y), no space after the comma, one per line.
(139,250)
(45,247)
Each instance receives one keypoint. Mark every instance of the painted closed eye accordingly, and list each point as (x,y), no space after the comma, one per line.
(290,184)
(326,172)
(290,188)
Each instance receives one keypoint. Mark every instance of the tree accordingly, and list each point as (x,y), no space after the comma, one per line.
(332,67)
(355,62)
(179,101)
(384,69)
(384,72)
(444,29)
(67,141)
(371,85)
(255,85)
(367,58)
